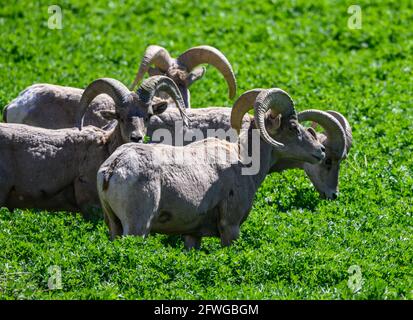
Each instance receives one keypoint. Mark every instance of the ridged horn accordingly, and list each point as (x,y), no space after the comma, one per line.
(346,126)
(156,84)
(336,138)
(156,55)
(112,87)
(244,103)
(279,102)
(210,55)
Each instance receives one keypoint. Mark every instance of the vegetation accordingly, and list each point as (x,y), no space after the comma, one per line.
(294,245)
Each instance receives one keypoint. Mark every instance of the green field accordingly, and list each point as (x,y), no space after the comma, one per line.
(294,245)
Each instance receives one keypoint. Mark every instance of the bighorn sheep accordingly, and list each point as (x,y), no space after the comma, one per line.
(56,169)
(57,107)
(140,192)
(184,70)
(324,175)
(40,99)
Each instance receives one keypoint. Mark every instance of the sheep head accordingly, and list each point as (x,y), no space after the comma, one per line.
(185,69)
(132,110)
(337,139)
(276,120)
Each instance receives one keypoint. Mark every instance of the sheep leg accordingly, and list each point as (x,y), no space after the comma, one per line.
(3,196)
(138,227)
(139,224)
(229,233)
(228,228)
(114,224)
(86,198)
(192,242)
(4,188)
(139,214)
(115,227)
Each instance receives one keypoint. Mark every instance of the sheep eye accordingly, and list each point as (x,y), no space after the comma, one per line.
(294,129)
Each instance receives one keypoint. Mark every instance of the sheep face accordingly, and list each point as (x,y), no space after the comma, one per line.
(181,77)
(185,69)
(324,175)
(133,118)
(299,143)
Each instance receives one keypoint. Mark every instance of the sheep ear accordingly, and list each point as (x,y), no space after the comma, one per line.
(109,114)
(159,107)
(195,75)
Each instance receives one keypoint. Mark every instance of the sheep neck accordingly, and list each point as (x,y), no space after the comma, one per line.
(114,139)
(267,158)
(284,164)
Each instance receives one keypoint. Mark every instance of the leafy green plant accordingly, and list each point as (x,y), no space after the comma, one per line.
(294,245)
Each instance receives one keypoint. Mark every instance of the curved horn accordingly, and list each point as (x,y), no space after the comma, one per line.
(112,87)
(279,102)
(346,126)
(156,84)
(210,55)
(335,133)
(157,55)
(244,103)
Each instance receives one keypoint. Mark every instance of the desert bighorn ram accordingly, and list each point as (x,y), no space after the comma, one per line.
(140,192)
(56,169)
(324,176)
(337,138)
(57,107)
(184,70)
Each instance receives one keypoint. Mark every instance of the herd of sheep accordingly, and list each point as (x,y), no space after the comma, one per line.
(87,151)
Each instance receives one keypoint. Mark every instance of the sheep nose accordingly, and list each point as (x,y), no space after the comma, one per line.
(135,137)
(323,149)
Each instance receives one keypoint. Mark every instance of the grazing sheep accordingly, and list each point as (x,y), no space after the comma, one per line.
(325,175)
(337,138)
(56,169)
(184,70)
(57,107)
(143,190)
